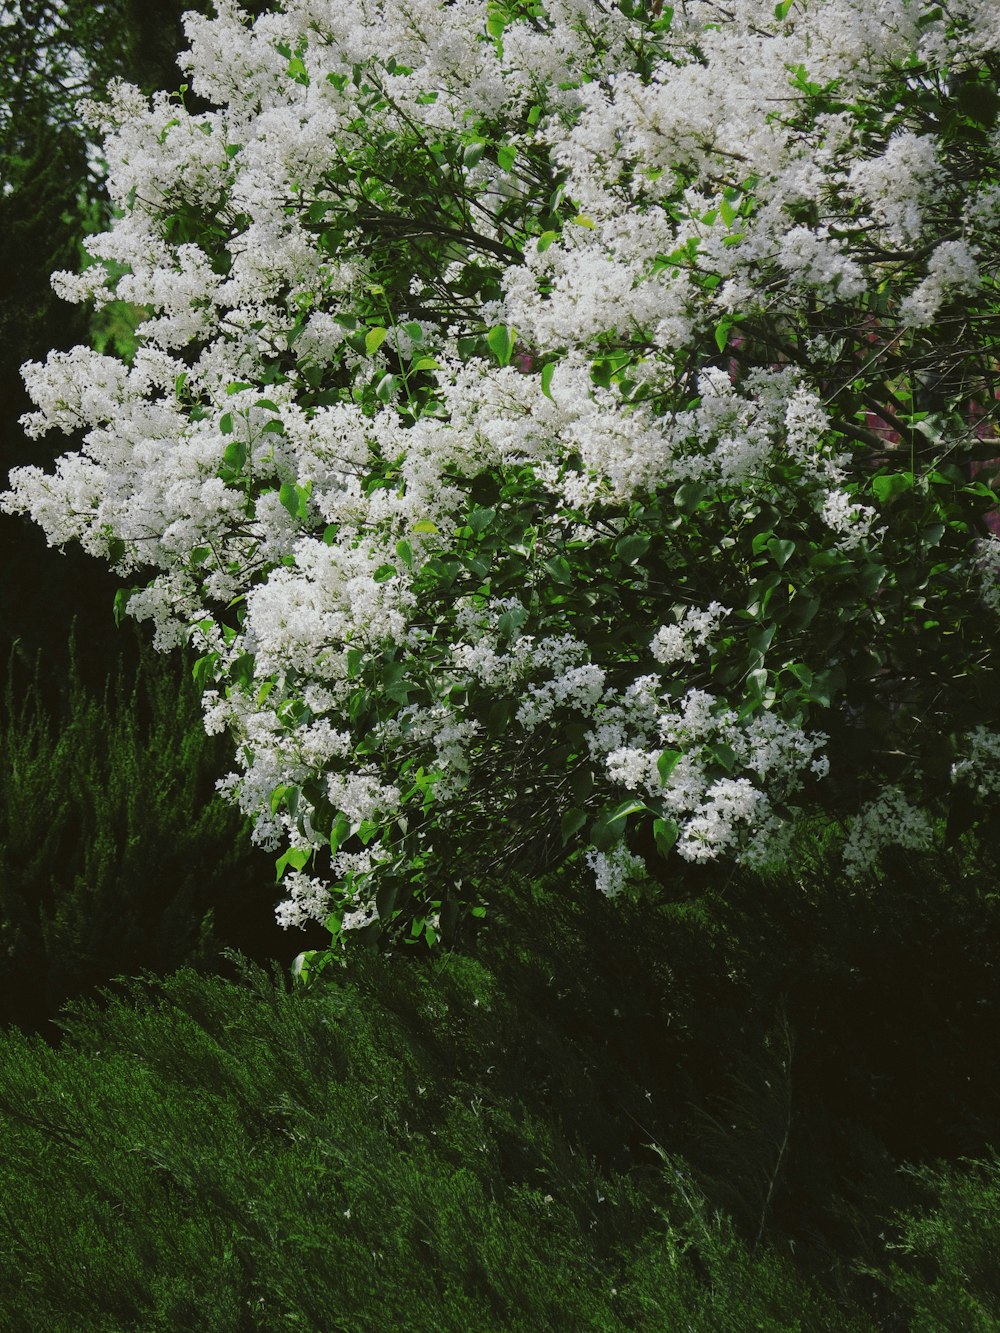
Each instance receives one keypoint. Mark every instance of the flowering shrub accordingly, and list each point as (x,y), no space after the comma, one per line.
(555,423)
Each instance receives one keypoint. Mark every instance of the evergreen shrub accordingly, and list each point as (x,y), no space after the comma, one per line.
(943,1259)
(218,1155)
(115,853)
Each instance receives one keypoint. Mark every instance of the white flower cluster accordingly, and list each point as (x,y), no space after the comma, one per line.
(988,561)
(952,271)
(680,642)
(284,442)
(727,775)
(888,821)
(980,768)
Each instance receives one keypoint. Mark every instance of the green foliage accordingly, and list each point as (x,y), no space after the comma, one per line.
(348,1157)
(948,1247)
(114,850)
(615,1117)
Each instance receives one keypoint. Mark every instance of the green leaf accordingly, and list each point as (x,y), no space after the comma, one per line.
(506,156)
(501,342)
(204,670)
(367,831)
(480,519)
(827,684)
(374,339)
(886,486)
(871,577)
(667,762)
(780,551)
(722,332)
(297,70)
(235,455)
(723,754)
(386,388)
(425,525)
(121,603)
(609,828)
(802,610)
(226,423)
(757,683)
(559,567)
(306,964)
(632,547)
(385,900)
(690,495)
(760,638)
(340,832)
(472,154)
(296,857)
(294,499)
(511,621)
(547,373)
(605,833)
(665,834)
(571,822)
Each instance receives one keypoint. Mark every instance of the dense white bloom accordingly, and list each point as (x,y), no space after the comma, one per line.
(952,271)
(423,264)
(898,184)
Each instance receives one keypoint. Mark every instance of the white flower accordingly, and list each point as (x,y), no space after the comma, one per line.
(888,821)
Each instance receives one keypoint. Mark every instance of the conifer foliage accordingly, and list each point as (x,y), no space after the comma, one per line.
(116,854)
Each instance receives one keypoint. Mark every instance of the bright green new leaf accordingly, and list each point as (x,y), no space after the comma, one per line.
(667,762)
(886,486)
(501,342)
(296,857)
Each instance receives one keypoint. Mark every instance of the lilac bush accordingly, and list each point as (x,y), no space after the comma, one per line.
(500,430)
